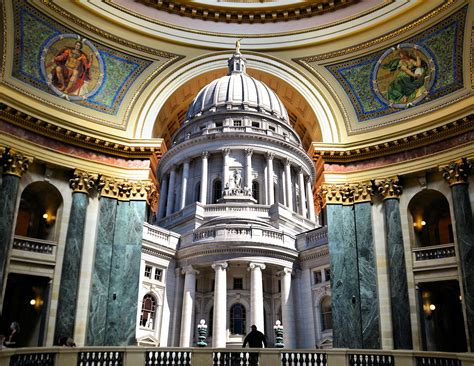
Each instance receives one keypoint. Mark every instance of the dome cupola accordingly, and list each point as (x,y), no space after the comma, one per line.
(237,91)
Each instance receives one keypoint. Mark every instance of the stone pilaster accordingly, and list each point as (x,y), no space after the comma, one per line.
(456,174)
(219,331)
(187,313)
(115,279)
(256,295)
(346,314)
(287,309)
(366,263)
(14,165)
(82,184)
(390,189)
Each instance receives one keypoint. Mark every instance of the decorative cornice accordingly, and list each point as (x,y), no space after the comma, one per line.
(83,182)
(389,188)
(246,15)
(402,144)
(380,40)
(14,163)
(363,192)
(457,172)
(38,126)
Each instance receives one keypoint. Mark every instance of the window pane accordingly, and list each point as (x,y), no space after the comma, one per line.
(148,271)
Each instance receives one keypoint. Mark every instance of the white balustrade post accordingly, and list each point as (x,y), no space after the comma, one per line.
(188,306)
(219,330)
(256,295)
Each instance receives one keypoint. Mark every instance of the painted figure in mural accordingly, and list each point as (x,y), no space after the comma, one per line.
(409,72)
(72,69)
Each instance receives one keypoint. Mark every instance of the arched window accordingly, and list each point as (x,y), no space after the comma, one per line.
(326,313)
(147,318)
(255,190)
(197,192)
(237,319)
(216,190)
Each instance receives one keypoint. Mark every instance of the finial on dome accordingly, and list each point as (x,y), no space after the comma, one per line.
(237,63)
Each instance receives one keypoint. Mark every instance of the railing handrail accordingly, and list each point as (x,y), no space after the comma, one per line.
(35,240)
(432,247)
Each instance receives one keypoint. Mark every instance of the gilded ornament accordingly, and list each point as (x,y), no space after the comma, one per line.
(457,172)
(108,187)
(14,163)
(389,188)
(363,192)
(83,181)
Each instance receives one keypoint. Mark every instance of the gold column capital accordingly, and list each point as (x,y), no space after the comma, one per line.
(108,187)
(336,194)
(363,192)
(152,197)
(83,181)
(457,171)
(14,163)
(389,187)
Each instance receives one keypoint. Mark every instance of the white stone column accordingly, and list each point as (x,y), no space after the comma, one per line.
(289,186)
(184,184)
(248,169)
(309,194)
(185,340)
(219,330)
(225,172)
(287,312)
(170,198)
(265,184)
(283,187)
(204,173)
(306,311)
(302,195)
(256,295)
(163,198)
(271,191)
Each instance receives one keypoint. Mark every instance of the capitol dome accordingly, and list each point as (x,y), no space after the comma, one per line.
(237,91)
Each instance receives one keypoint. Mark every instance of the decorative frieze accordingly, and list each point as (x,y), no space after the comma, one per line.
(457,172)
(83,181)
(389,188)
(14,163)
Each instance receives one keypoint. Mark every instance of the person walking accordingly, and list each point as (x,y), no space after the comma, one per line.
(255,339)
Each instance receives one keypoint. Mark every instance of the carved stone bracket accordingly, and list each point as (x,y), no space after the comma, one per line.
(14,163)
(83,182)
(457,172)
(389,188)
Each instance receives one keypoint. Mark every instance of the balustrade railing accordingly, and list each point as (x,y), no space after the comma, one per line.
(138,356)
(34,245)
(434,252)
(159,236)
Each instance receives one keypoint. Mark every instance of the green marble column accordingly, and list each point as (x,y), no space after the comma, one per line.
(14,165)
(369,301)
(71,268)
(400,305)
(456,175)
(347,331)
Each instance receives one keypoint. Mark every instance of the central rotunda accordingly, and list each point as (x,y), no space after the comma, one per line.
(236,186)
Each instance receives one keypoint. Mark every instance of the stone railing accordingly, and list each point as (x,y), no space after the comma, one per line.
(242,232)
(137,356)
(33,245)
(313,238)
(157,235)
(229,209)
(434,252)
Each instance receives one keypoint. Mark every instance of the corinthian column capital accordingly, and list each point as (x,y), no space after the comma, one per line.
(15,163)
(363,192)
(389,188)
(83,181)
(457,172)
(108,187)
(337,193)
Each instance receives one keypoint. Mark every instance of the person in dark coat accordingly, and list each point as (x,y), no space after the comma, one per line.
(255,339)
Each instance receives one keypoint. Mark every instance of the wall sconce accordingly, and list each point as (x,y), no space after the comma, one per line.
(432,307)
(46,216)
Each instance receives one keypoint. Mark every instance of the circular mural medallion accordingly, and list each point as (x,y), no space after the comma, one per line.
(72,66)
(404,75)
